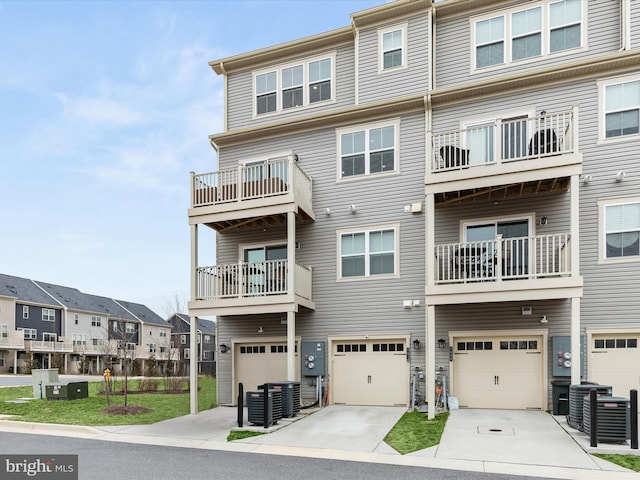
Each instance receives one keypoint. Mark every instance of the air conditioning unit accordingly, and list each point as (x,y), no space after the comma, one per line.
(255,407)
(576,401)
(613,415)
(290,397)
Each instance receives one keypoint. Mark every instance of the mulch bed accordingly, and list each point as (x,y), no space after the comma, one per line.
(125,410)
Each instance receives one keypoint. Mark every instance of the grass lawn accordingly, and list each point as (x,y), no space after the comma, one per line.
(632,462)
(414,431)
(87,411)
(240,434)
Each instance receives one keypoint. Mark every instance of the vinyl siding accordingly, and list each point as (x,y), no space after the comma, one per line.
(454,45)
(635,25)
(358,307)
(375,85)
(240,92)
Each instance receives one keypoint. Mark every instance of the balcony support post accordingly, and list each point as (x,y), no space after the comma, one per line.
(430,360)
(291,316)
(498,263)
(193,365)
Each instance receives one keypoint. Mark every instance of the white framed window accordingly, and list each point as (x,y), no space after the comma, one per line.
(297,84)
(368,253)
(77,339)
(518,34)
(96,321)
(97,342)
(205,355)
(619,107)
(76,318)
(129,327)
(49,337)
(25,311)
(29,333)
(187,353)
(368,150)
(620,229)
(130,346)
(207,339)
(4,331)
(152,348)
(392,45)
(163,349)
(183,339)
(163,332)
(114,326)
(48,315)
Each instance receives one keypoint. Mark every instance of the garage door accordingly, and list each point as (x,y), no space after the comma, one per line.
(498,372)
(370,372)
(614,359)
(260,362)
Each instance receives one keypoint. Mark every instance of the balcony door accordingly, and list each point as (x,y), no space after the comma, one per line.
(481,141)
(515,243)
(265,269)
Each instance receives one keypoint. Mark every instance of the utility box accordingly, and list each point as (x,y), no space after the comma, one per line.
(562,358)
(42,377)
(313,358)
(290,396)
(69,391)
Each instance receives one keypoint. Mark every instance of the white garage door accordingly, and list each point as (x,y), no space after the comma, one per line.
(614,359)
(370,372)
(257,363)
(498,372)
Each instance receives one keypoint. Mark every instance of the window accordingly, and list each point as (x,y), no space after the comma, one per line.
(4,331)
(79,339)
(183,339)
(393,46)
(519,34)
(114,326)
(96,342)
(205,355)
(621,108)
(187,353)
(49,337)
(130,347)
(368,253)
(163,349)
(96,321)
(368,151)
(163,332)
(29,333)
(207,339)
(48,315)
(129,328)
(622,230)
(76,318)
(25,311)
(298,84)
(152,348)
(616,343)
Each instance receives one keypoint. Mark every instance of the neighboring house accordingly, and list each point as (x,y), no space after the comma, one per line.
(446,191)
(181,341)
(86,339)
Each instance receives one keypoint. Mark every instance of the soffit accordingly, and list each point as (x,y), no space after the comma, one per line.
(450,8)
(388,11)
(333,119)
(283,51)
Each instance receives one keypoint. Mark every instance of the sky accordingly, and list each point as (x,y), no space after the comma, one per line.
(105,108)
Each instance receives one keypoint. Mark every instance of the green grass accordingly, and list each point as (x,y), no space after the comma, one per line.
(414,431)
(87,411)
(240,434)
(632,462)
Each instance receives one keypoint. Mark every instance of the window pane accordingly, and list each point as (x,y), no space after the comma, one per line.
(320,91)
(320,70)
(265,83)
(526,22)
(489,30)
(353,266)
(382,263)
(381,162)
(623,217)
(352,243)
(352,143)
(565,38)
(292,98)
(392,40)
(569,11)
(266,103)
(623,244)
(392,59)
(353,165)
(380,138)
(622,96)
(525,47)
(490,55)
(292,76)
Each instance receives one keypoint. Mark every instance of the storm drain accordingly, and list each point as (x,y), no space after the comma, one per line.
(496,430)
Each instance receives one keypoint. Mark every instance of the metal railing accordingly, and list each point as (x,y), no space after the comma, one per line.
(250,279)
(504,140)
(48,346)
(521,258)
(272,177)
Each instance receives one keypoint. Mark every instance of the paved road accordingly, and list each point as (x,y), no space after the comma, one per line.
(111,460)
(25,380)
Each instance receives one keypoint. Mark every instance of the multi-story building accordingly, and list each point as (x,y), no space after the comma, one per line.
(206,343)
(441,190)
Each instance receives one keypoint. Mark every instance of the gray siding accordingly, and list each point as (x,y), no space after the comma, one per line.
(635,24)
(454,45)
(375,86)
(240,92)
(359,307)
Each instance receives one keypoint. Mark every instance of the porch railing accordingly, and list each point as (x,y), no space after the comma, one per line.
(48,346)
(250,279)
(275,176)
(520,258)
(504,140)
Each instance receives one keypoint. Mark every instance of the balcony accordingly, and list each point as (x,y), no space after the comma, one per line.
(251,195)
(510,268)
(521,155)
(13,340)
(84,349)
(252,287)
(44,346)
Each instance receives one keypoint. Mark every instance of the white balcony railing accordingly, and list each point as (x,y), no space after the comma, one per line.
(250,279)
(13,339)
(273,177)
(48,346)
(521,258)
(504,140)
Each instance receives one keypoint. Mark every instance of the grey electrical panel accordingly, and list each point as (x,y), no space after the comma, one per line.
(313,358)
(561,357)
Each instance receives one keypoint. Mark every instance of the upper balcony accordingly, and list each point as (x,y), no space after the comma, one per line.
(251,194)
(251,287)
(63,345)
(13,340)
(533,267)
(518,155)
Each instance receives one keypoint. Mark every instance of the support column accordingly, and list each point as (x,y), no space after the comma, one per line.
(576,358)
(291,346)
(193,356)
(15,362)
(430,367)
(291,292)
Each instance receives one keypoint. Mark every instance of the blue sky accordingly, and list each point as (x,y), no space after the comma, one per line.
(105,108)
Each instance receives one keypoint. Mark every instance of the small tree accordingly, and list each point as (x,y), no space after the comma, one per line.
(29,362)
(57,361)
(120,338)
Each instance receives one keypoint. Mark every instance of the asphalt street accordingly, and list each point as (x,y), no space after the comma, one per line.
(111,460)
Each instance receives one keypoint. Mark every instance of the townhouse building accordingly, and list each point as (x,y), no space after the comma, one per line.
(206,343)
(440,195)
(54,326)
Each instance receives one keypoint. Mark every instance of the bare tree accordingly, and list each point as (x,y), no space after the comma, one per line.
(177,305)
(120,344)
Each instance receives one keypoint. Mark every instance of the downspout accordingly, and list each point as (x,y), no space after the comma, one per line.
(625,25)
(224,97)
(356,55)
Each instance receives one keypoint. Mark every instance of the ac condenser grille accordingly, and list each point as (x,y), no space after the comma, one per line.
(255,406)
(576,401)
(613,418)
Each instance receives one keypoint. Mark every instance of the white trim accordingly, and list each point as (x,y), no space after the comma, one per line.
(403,27)
(602,237)
(602,84)
(368,229)
(530,217)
